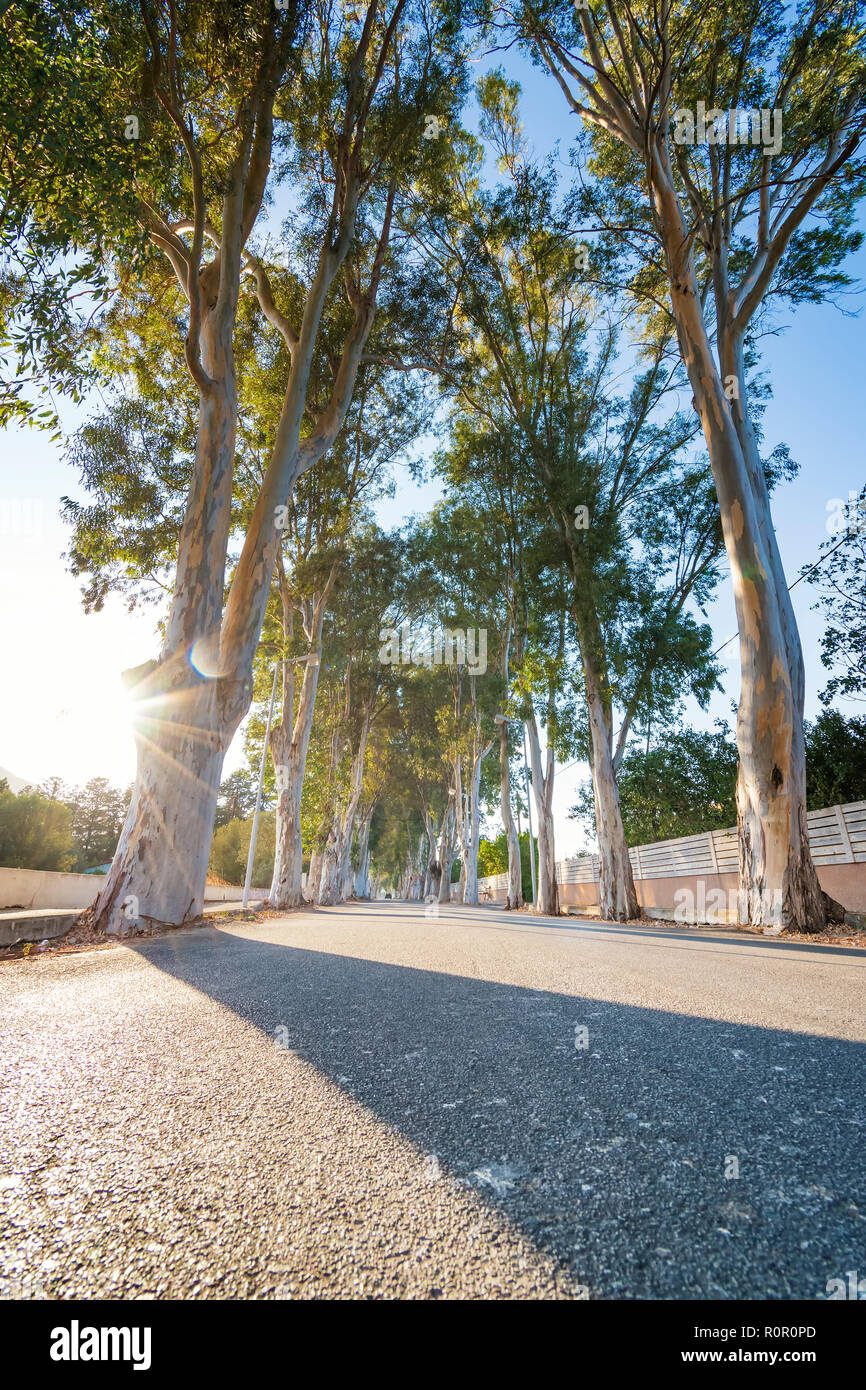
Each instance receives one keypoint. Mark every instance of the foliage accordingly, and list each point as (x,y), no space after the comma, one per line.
(493,859)
(835,759)
(231,846)
(685,783)
(237,797)
(682,784)
(66,192)
(840,579)
(98,812)
(35,831)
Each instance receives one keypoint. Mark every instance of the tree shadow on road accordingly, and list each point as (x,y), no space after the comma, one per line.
(608,1147)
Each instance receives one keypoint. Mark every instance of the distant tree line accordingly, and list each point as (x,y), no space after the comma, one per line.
(58,827)
(685,783)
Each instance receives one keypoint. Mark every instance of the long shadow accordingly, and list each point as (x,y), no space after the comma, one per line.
(676,937)
(673,935)
(612,1157)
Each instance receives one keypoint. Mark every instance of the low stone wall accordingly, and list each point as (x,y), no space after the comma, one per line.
(38,888)
(844,882)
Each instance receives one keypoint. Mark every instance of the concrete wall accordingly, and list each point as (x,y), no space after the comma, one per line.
(844,882)
(39,888)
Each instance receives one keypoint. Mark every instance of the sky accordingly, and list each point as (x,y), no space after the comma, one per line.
(62,707)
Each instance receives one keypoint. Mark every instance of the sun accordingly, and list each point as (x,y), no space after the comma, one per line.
(94,736)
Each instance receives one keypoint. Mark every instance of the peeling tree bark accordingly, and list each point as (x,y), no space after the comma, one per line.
(617,897)
(778,882)
(314,876)
(808,904)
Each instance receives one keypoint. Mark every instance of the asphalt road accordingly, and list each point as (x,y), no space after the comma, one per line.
(367,1103)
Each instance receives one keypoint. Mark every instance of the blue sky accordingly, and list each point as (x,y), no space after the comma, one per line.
(61,707)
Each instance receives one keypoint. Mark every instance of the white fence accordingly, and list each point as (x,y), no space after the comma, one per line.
(837,835)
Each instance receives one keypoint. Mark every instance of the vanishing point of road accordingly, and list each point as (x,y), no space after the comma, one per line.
(367,1102)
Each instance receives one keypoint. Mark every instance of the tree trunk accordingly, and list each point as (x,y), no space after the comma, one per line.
(290,741)
(800,869)
(328,893)
(337,865)
(617,896)
(470,851)
(347,888)
(778,882)
(289,744)
(433,873)
(362,883)
(424,859)
(187,710)
(159,869)
(435,878)
(514,897)
(542,795)
(314,876)
(446,853)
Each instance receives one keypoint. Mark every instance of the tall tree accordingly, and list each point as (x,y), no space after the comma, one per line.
(725,208)
(327,507)
(238,99)
(35,831)
(632,521)
(98,812)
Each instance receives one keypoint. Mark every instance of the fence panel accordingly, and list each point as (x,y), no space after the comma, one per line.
(837,835)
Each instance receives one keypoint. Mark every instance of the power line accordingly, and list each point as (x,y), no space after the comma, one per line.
(568,765)
(804,575)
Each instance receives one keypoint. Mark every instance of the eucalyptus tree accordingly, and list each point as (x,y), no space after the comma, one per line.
(727,145)
(485,492)
(606,481)
(320,518)
(459,573)
(378,776)
(360,688)
(66,193)
(232,104)
(418,748)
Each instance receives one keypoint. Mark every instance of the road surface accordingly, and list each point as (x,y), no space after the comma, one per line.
(365,1102)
